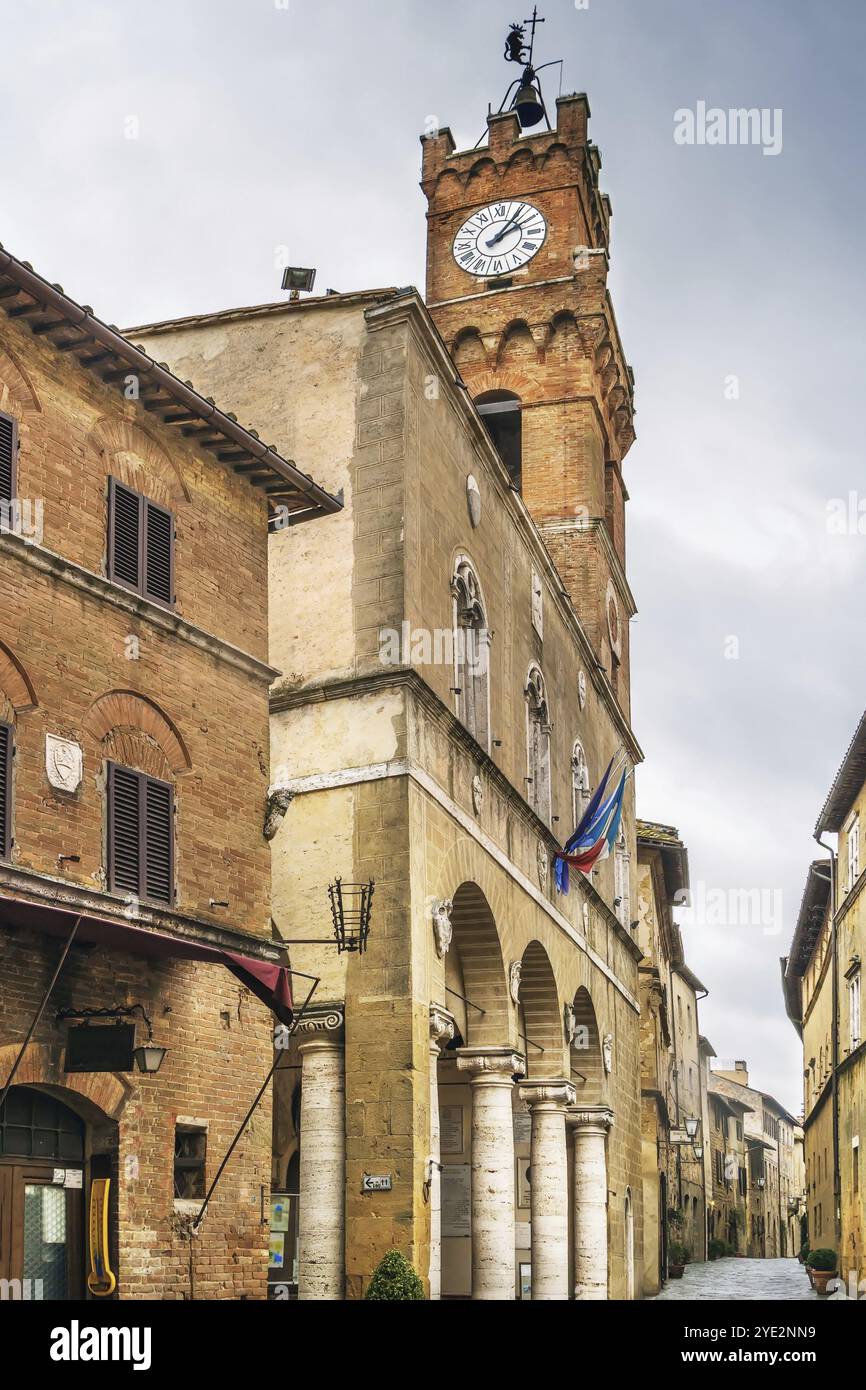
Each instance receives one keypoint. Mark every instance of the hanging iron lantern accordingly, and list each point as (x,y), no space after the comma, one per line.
(350,909)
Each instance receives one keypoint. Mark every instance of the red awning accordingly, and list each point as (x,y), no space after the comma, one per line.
(268,980)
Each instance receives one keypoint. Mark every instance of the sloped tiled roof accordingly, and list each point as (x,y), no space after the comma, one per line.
(73,328)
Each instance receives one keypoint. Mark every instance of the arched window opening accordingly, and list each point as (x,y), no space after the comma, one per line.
(579,782)
(471,654)
(500,411)
(538,730)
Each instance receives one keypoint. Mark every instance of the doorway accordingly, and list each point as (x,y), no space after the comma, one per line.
(41,1196)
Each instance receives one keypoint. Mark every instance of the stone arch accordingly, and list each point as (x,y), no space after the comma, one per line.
(482,171)
(133,456)
(468,349)
(121,710)
(517,343)
(17,392)
(15,684)
(522,158)
(95,1096)
(556,154)
(449,187)
(587,1068)
(518,378)
(562,338)
(476,944)
(540,1014)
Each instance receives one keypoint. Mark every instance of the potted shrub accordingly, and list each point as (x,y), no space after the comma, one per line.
(678,1257)
(718,1249)
(394,1280)
(804,1251)
(823,1265)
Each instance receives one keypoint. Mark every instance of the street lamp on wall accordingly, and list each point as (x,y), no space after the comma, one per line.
(692,1128)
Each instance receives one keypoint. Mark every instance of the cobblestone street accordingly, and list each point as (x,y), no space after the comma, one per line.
(741,1280)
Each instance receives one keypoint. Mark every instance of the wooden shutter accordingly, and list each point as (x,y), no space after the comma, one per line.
(8,456)
(158,553)
(140,835)
(158,841)
(124,535)
(124,830)
(5,791)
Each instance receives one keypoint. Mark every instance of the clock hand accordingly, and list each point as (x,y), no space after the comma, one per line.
(500,235)
(515,222)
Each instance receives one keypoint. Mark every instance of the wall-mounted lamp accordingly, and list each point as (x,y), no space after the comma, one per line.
(297,278)
(692,1127)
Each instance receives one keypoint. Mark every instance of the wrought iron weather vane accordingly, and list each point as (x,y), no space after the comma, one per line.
(524,94)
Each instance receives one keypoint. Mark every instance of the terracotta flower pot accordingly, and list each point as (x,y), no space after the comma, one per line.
(675,1271)
(811,1274)
(821,1278)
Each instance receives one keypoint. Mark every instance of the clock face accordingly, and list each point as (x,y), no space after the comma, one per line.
(499,238)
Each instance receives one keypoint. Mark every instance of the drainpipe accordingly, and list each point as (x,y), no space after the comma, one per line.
(834,946)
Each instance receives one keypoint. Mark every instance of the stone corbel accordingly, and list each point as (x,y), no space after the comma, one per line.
(278,802)
(442,1027)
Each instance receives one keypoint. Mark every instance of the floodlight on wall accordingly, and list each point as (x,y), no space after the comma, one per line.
(297,278)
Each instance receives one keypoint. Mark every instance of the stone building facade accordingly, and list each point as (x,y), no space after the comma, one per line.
(775,1179)
(456,680)
(821,980)
(727,1214)
(134,873)
(673,1078)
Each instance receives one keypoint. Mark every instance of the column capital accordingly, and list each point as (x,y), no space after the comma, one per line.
(491,1066)
(554,1094)
(323,1026)
(590,1119)
(442,1027)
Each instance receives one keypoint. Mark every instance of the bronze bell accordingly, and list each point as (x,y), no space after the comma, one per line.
(528,105)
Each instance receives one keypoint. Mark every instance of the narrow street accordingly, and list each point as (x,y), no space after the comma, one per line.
(741,1281)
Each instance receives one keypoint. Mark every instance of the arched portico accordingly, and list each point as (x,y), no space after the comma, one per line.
(547,1092)
(479,1064)
(590,1120)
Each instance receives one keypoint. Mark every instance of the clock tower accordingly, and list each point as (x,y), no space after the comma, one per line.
(517,265)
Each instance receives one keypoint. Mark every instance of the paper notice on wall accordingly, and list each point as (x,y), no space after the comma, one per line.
(456,1210)
(74,1178)
(451,1129)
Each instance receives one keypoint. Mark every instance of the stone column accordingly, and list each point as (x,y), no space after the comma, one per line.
(441,1031)
(548,1170)
(322,1272)
(492,1071)
(590,1124)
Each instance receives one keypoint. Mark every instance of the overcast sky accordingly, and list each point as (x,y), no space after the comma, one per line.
(260,125)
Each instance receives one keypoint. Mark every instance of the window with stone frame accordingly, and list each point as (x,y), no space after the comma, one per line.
(622,860)
(471,654)
(580,791)
(852,844)
(538,731)
(854,1030)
